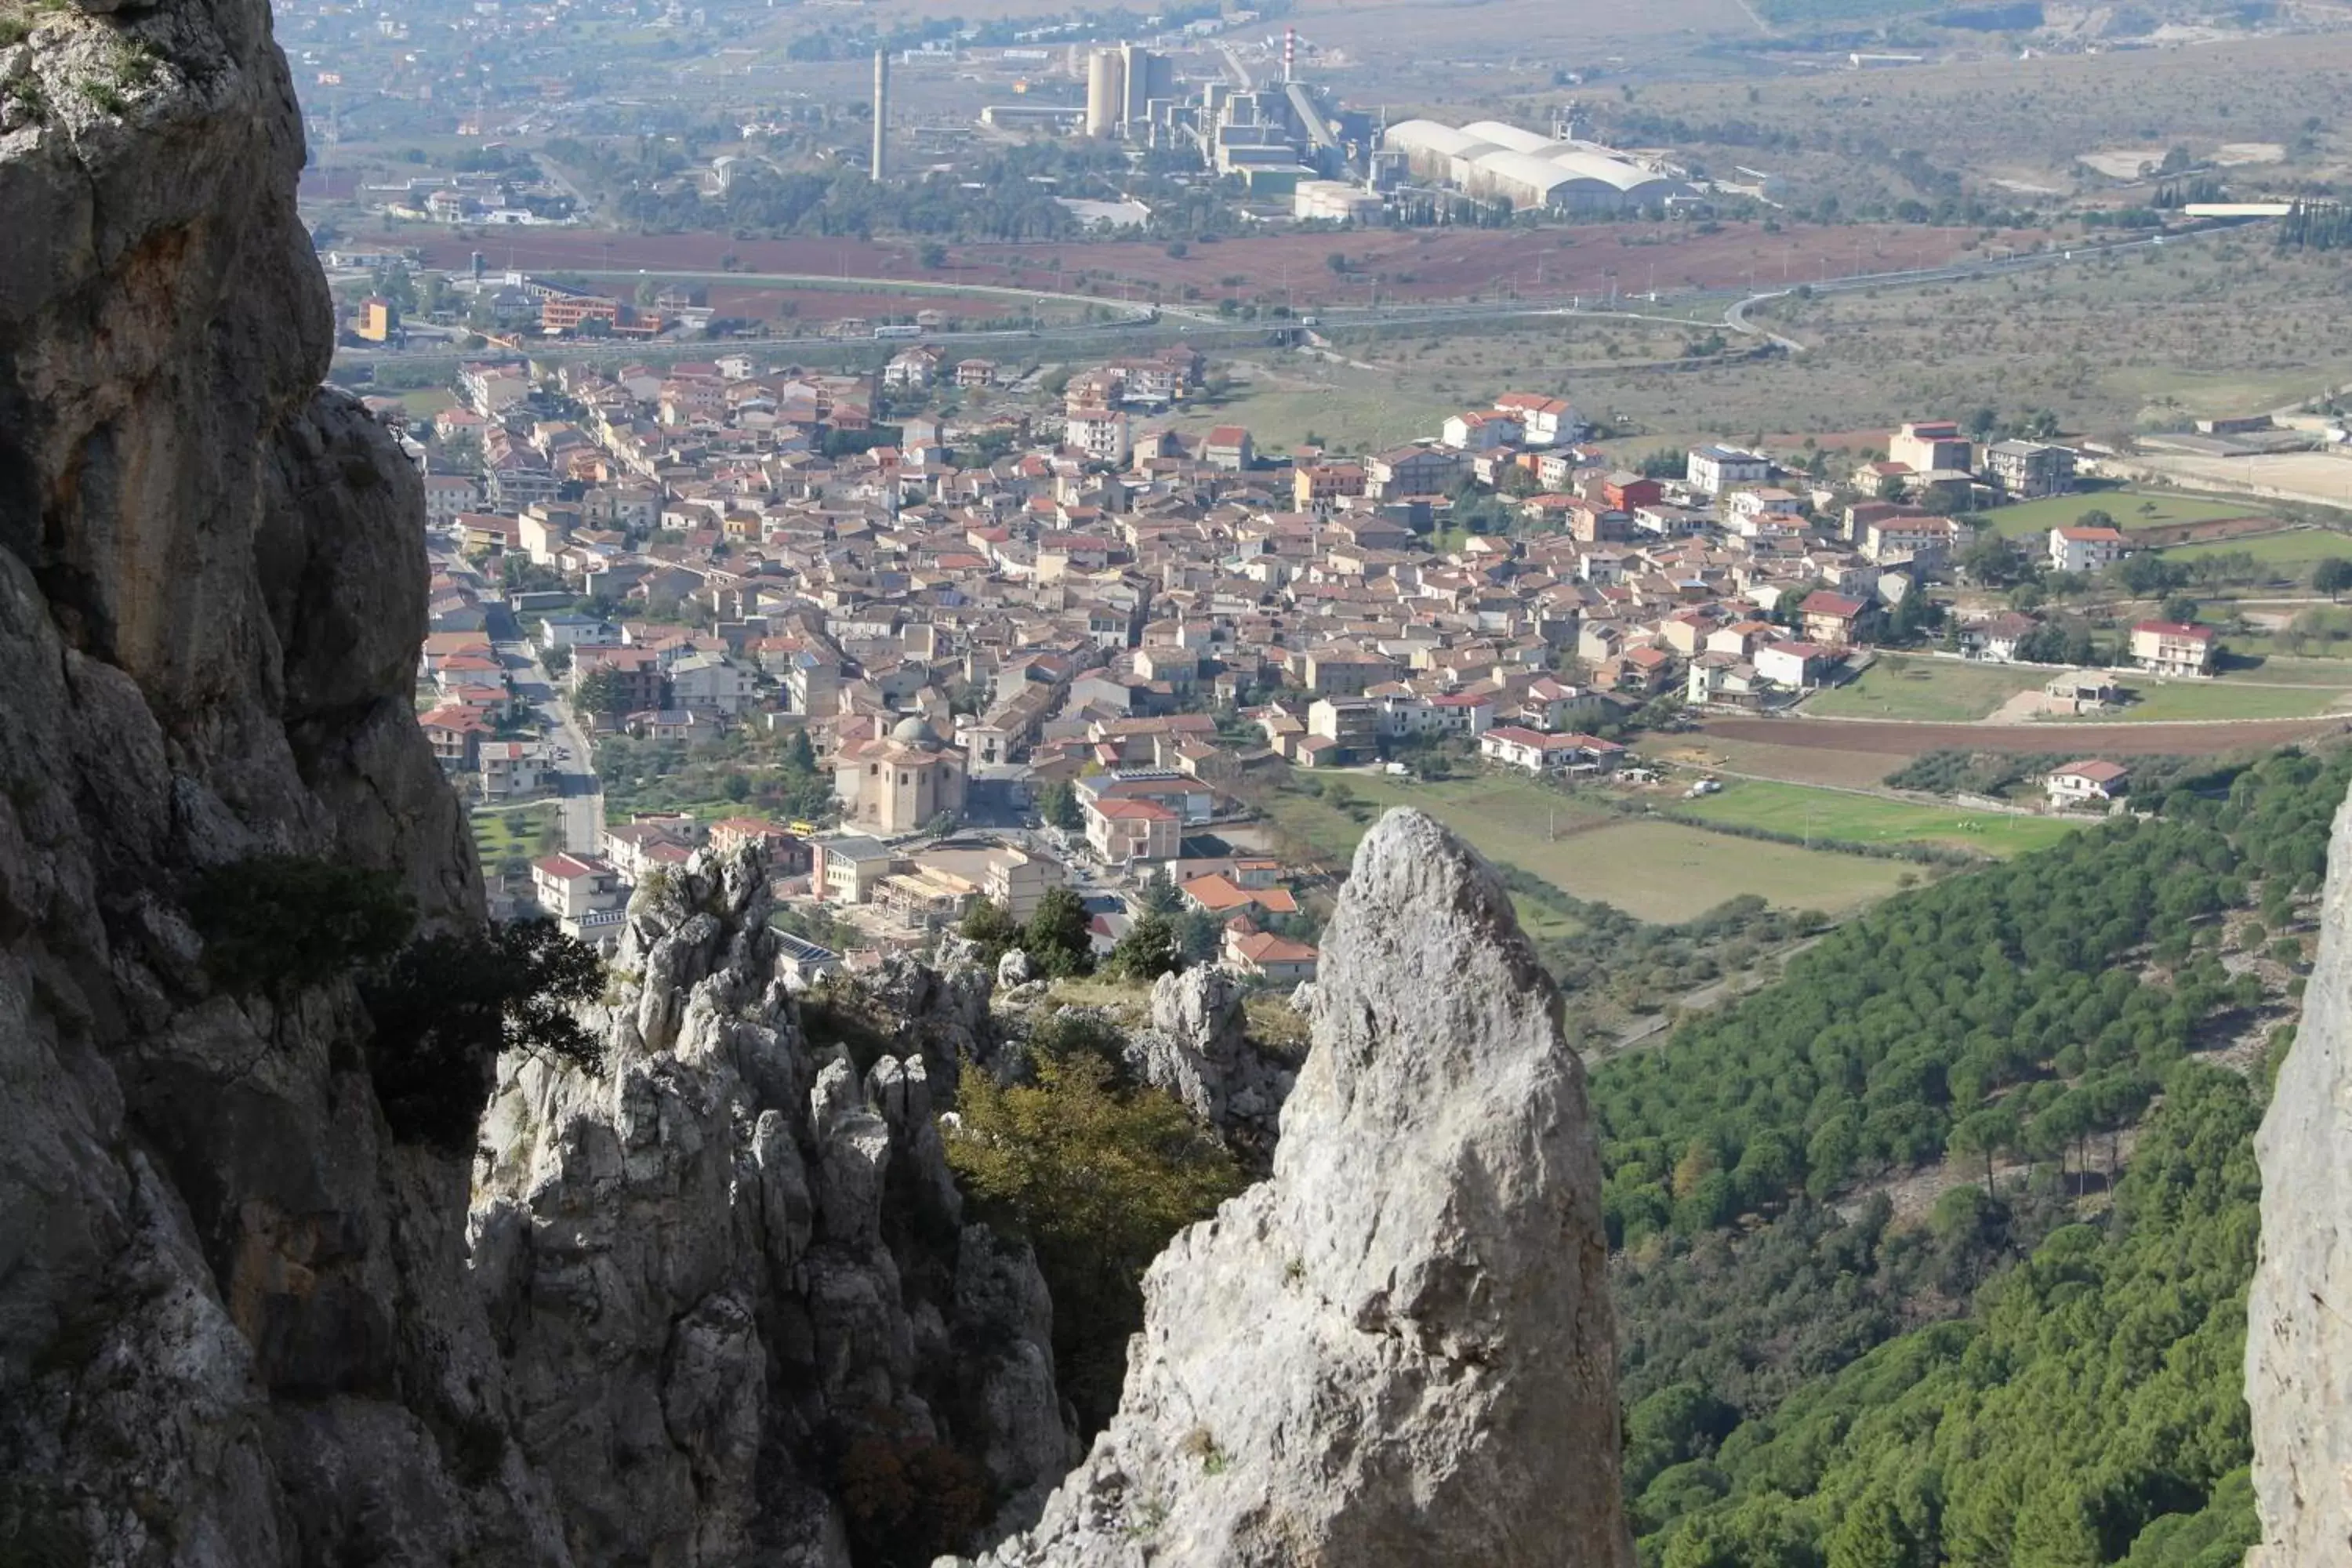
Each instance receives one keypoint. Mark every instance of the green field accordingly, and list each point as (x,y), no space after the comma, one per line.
(1655,870)
(2160,701)
(516,831)
(1667,871)
(2124,506)
(1945,691)
(1849,818)
(2320,664)
(2296,547)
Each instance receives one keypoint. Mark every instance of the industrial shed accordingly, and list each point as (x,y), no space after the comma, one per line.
(1504,162)
(1429,148)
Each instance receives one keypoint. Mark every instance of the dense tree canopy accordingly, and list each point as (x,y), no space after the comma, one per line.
(1097,1177)
(2015,985)
(2089,1413)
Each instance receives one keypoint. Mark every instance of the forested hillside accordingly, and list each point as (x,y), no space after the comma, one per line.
(2024,1007)
(2035,1375)
(2088,1413)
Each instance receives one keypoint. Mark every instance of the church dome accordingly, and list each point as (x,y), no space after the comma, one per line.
(914,731)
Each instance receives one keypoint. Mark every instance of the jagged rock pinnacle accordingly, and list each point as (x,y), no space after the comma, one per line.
(1398,1348)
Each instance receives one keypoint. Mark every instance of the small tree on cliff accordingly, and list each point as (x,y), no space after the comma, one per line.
(1097,1180)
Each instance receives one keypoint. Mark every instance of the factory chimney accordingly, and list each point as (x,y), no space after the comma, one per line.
(1289,55)
(879,168)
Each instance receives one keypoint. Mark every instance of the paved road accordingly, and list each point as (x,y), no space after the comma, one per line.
(1202,323)
(580,791)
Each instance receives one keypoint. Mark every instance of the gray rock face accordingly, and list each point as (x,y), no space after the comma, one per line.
(2299,1312)
(730,1256)
(234,1323)
(1398,1350)
(1197,1049)
(239,1326)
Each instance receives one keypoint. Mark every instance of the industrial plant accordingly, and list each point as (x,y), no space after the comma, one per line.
(1291,138)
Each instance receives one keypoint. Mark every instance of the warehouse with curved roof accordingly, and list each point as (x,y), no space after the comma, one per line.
(1504,162)
(1428,146)
(1510,136)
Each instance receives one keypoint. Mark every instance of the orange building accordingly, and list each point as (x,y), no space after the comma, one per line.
(378,318)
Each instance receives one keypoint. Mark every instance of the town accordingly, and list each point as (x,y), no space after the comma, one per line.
(1060,650)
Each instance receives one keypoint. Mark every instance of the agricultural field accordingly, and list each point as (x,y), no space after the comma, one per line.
(2317,479)
(1285,403)
(1591,260)
(1935,690)
(1655,870)
(1900,741)
(1844,817)
(2162,702)
(2010,127)
(425,401)
(1667,871)
(522,832)
(2130,508)
(1795,764)
(2290,553)
(2110,343)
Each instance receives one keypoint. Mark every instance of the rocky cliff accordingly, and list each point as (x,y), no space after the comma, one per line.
(1398,1348)
(234,1323)
(730,1274)
(714,1303)
(2299,1312)
(1197,1047)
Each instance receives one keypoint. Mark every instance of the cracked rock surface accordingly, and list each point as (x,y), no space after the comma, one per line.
(732,1257)
(2299,1310)
(1398,1348)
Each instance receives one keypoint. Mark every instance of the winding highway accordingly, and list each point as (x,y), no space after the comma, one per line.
(1199,324)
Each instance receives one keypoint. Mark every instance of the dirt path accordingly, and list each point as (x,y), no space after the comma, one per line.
(2020,708)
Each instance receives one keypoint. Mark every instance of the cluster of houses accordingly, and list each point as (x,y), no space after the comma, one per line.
(1146,616)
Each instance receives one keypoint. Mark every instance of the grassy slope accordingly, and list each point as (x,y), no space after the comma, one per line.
(1656,871)
(2038,517)
(1938,690)
(1870,819)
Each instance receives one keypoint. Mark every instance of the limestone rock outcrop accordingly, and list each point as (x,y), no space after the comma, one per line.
(719,1266)
(1198,1048)
(235,1323)
(1398,1350)
(2299,1310)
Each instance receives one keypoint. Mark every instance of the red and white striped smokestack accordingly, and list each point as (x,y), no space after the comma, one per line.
(1289,55)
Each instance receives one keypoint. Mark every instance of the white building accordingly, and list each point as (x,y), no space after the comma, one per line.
(510,768)
(2084,781)
(584,896)
(707,683)
(1536,753)
(1716,469)
(1480,431)
(447,495)
(2087,550)
(1545,421)
(1101,433)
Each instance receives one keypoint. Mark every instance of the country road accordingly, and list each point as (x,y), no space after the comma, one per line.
(1202,325)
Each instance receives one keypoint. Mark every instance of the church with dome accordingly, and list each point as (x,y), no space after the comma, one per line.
(899,779)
